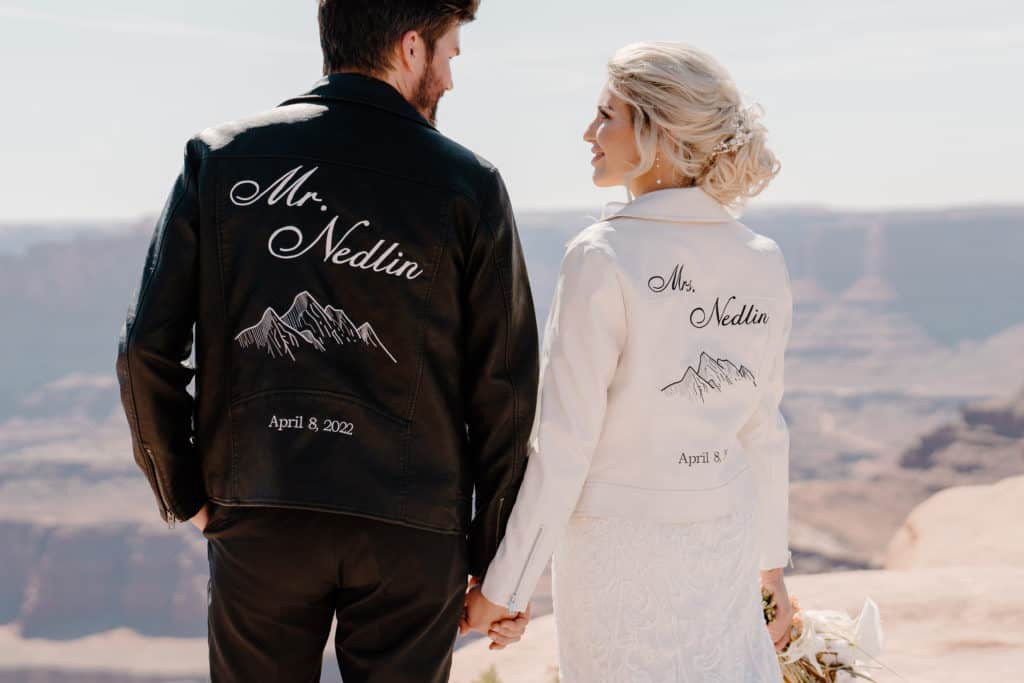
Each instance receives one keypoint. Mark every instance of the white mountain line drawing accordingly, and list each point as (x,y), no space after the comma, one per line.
(308,324)
(710,375)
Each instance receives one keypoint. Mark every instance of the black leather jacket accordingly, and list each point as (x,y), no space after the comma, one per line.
(365,336)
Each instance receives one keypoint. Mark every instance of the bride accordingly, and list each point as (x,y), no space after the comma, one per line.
(659,460)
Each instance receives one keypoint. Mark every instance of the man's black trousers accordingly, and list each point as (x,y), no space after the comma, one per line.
(279,577)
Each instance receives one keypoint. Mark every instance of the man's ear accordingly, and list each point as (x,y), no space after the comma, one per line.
(412,53)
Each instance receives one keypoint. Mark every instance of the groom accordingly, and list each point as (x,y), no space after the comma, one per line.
(365,362)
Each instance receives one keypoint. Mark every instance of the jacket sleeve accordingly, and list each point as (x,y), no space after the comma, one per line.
(501,378)
(765,437)
(584,337)
(155,344)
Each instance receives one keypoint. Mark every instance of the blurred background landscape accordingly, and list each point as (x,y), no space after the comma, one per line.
(905,376)
(899,210)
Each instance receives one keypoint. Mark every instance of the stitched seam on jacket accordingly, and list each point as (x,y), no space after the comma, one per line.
(217,213)
(355,512)
(506,300)
(616,268)
(351,398)
(645,488)
(407,435)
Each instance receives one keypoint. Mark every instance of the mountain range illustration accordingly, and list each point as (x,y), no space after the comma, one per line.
(308,324)
(710,375)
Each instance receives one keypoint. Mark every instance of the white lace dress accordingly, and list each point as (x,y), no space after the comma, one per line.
(645,602)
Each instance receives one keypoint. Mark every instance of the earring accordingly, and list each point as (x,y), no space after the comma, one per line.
(657,168)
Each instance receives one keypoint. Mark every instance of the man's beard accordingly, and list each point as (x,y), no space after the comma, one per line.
(427,94)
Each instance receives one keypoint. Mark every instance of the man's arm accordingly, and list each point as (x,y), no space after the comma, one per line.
(502,369)
(155,344)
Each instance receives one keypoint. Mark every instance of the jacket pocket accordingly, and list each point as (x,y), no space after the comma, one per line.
(318,449)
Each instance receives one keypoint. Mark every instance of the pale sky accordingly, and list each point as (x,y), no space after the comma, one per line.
(869,104)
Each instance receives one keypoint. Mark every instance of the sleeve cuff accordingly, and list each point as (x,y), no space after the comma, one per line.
(776,559)
(185,510)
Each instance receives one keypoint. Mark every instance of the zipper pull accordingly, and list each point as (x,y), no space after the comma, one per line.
(533,548)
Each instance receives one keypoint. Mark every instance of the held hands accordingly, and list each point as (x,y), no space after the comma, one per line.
(779,627)
(494,621)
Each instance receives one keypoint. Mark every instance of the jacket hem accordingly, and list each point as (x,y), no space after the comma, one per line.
(226,502)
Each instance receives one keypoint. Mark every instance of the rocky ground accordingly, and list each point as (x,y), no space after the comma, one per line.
(951,598)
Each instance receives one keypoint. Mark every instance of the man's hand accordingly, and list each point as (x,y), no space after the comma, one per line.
(779,627)
(202,517)
(483,616)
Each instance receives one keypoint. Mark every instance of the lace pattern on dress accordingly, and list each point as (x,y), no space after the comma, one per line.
(650,602)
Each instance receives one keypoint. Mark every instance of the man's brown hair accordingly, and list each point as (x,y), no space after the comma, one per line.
(361,35)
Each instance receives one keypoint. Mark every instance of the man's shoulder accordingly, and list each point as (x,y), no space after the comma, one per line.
(227,135)
(479,173)
(457,153)
(275,130)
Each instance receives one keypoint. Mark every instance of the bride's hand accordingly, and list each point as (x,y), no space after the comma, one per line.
(482,615)
(509,630)
(779,627)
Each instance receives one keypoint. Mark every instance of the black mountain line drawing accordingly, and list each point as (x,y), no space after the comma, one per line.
(307,324)
(710,375)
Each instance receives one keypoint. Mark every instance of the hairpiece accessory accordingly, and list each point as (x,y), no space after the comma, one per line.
(741,136)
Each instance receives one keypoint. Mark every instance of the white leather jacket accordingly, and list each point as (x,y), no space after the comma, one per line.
(661,378)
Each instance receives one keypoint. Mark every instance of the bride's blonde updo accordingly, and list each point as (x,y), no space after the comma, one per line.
(686,101)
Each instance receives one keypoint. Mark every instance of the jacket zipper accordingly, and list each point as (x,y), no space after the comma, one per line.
(515,592)
(164,507)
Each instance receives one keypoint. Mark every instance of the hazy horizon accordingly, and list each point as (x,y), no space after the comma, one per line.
(125,221)
(873,106)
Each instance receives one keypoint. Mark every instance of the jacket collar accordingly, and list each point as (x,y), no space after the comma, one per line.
(673,205)
(365,90)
